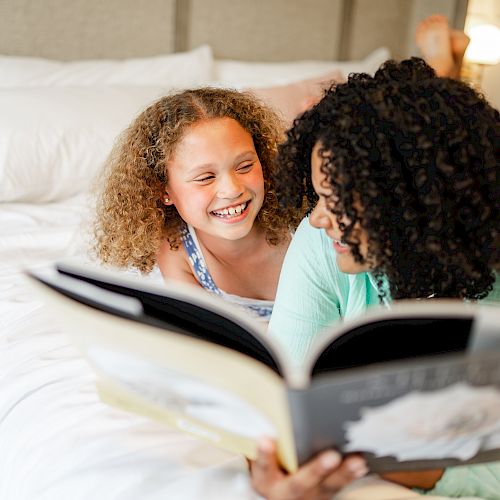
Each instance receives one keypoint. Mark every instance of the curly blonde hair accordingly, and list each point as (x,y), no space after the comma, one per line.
(131,221)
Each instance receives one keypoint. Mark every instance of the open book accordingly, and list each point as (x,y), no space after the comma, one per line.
(416,386)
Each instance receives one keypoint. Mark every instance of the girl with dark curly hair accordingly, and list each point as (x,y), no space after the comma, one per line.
(189,187)
(401,172)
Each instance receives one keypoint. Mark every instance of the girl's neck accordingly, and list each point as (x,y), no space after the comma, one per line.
(233,250)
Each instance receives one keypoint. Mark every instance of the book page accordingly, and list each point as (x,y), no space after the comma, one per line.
(409,329)
(202,388)
(173,305)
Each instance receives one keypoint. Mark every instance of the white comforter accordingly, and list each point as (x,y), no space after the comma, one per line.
(57,440)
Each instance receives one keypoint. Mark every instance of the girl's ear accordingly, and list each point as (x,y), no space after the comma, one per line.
(166,199)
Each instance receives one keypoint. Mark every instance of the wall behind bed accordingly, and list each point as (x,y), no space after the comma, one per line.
(252,30)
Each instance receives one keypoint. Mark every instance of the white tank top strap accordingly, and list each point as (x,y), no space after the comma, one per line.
(262,309)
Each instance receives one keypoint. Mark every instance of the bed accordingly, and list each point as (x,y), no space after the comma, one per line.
(72,76)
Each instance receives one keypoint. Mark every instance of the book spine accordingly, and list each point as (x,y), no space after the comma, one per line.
(301,423)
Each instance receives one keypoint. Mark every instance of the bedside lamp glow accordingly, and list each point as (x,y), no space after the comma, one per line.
(483,50)
(484,46)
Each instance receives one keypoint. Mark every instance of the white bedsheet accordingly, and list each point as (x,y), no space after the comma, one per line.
(57,440)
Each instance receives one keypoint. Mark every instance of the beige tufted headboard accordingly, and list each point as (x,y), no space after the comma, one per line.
(263,30)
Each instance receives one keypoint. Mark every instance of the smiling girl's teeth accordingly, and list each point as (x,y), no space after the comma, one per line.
(231,211)
(341,243)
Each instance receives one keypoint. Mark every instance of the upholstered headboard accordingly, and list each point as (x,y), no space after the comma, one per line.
(263,30)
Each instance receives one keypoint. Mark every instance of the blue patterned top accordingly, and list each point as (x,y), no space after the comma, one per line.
(262,309)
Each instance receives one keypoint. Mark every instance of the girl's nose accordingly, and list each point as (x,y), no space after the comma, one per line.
(230,187)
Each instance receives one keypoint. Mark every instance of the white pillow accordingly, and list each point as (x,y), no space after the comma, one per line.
(53,140)
(241,74)
(181,69)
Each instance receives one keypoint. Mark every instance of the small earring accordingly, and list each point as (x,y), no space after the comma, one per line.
(166,199)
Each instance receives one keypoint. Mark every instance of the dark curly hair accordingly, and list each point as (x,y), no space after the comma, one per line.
(413,160)
(131,220)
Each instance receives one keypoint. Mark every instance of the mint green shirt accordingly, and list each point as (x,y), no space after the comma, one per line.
(313,293)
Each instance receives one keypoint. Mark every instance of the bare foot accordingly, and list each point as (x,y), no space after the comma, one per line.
(459,42)
(433,38)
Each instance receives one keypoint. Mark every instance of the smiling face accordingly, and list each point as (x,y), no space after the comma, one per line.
(322,217)
(215,179)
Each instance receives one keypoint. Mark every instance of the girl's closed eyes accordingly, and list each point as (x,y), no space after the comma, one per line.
(187,191)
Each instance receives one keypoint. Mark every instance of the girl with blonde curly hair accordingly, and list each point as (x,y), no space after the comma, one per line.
(189,187)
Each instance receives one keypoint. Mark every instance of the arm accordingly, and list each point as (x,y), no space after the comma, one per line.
(425,479)
(174,264)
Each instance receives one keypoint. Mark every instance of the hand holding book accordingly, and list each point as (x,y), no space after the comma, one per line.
(323,476)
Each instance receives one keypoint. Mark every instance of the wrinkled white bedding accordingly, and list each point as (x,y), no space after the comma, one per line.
(57,440)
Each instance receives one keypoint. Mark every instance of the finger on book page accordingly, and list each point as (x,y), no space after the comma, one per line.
(351,468)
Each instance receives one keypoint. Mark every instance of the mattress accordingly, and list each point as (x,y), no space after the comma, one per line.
(57,439)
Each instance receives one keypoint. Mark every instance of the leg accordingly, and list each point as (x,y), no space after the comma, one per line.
(433,37)
(459,42)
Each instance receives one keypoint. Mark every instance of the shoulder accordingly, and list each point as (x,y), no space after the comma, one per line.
(493,297)
(174,263)
(308,238)
(311,267)
(311,249)
(305,231)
